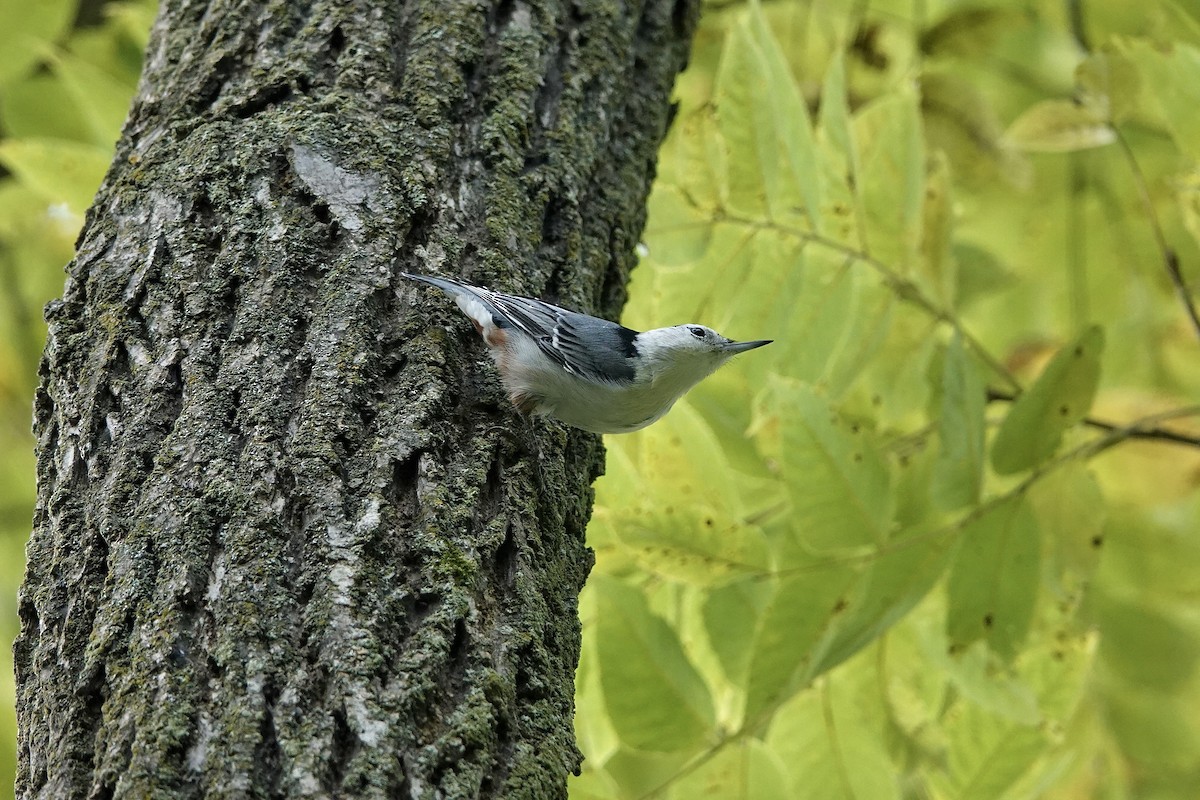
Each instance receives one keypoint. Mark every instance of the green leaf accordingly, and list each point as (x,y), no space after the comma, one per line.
(937,231)
(1109,83)
(655,697)
(57,170)
(593,729)
(834,322)
(745,126)
(731,618)
(893,388)
(831,750)
(1061,397)
(693,162)
(39,106)
(1187,196)
(800,172)
(132,20)
(980,274)
(27,29)
(592,784)
(676,231)
(898,578)
(743,770)
(101,98)
(1170,79)
(1133,631)
(958,472)
(771,168)
(838,158)
(985,681)
(834,122)
(823,317)
(678,462)
(961,121)
(693,543)
(970,29)
(792,624)
(638,773)
(890,177)
(994,579)
(1071,509)
(1060,126)
(987,756)
(840,487)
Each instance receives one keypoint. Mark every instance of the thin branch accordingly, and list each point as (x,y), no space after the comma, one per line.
(1154,433)
(904,289)
(1170,258)
(1088,450)
(1143,427)
(1083,452)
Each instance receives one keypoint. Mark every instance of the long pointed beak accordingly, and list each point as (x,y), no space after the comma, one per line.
(733,348)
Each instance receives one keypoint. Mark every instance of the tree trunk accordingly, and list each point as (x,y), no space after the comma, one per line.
(290,540)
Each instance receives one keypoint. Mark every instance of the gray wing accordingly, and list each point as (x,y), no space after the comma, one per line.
(586,346)
(583,345)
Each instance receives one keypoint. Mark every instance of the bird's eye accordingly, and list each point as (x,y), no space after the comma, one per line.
(696,331)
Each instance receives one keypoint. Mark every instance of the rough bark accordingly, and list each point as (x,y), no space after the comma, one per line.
(290,540)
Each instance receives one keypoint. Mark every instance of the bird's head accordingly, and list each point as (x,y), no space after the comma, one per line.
(689,351)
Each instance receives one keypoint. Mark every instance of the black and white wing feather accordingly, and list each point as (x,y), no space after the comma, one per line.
(586,346)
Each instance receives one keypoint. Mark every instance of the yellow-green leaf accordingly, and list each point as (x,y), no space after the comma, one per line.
(693,543)
(832,752)
(731,615)
(743,770)
(958,472)
(27,28)
(58,170)
(102,98)
(840,487)
(891,175)
(1170,78)
(654,696)
(1061,397)
(987,756)
(800,179)
(743,121)
(677,232)
(1070,508)
(896,580)
(792,625)
(993,583)
(1060,126)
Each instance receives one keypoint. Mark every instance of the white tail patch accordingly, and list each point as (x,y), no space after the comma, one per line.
(477,311)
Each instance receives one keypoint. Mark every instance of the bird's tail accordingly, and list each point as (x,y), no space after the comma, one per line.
(449,285)
(472,300)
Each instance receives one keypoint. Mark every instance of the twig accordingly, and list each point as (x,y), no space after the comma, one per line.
(904,289)
(1135,430)
(1170,258)
(1115,434)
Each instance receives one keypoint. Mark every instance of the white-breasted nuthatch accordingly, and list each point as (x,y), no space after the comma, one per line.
(588,372)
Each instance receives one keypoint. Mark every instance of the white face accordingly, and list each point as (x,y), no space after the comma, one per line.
(674,359)
(698,342)
(692,344)
(702,338)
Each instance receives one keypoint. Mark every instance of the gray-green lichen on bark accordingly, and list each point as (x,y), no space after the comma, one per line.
(290,541)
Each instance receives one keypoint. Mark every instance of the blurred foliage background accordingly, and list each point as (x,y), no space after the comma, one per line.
(942,538)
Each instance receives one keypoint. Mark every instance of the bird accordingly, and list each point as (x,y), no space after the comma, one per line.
(584,371)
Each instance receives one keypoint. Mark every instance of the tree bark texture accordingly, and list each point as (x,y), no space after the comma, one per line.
(290,540)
